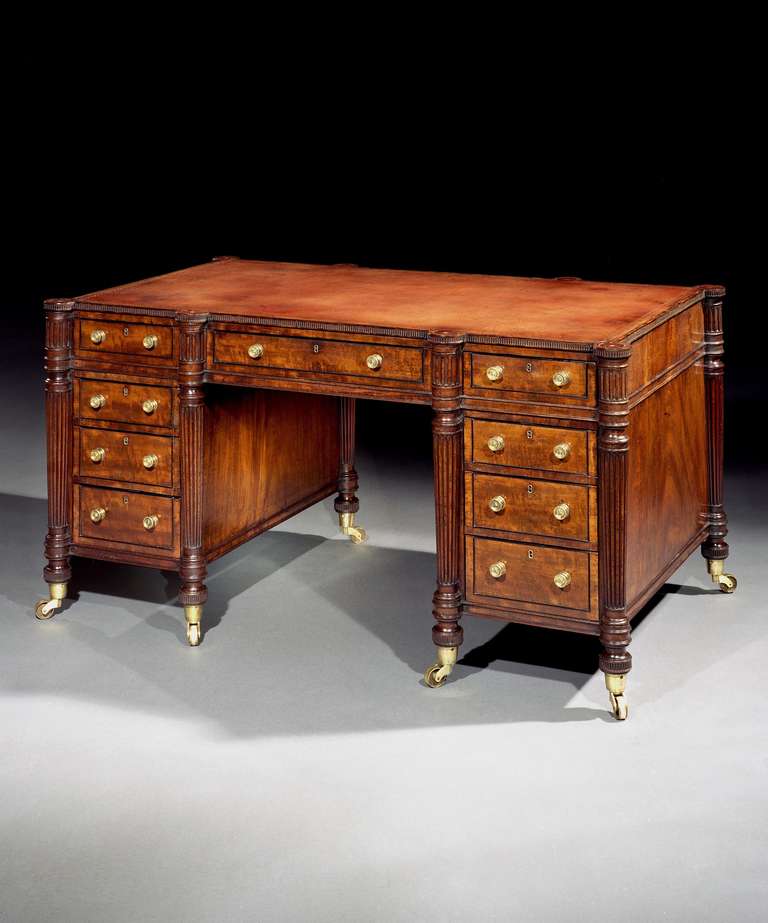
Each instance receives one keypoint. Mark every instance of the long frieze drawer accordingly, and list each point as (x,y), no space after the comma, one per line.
(131,457)
(530,573)
(143,520)
(535,507)
(145,340)
(119,402)
(554,377)
(302,354)
(518,445)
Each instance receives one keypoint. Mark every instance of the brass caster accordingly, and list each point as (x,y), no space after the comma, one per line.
(193,615)
(726,583)
(46,608)
(348,527)
(615,684)
(193,635)
(618,707)
(438,673)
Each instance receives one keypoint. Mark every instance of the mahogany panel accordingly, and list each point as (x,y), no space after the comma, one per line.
(124,514)
(665,346)
(528,446)
(124,402)
(124,455)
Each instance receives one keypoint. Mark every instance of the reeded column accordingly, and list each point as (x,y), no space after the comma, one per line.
(347,502)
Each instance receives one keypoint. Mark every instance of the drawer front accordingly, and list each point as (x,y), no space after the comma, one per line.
(535,507)
(302,354)
(132,457)
(553,377)
(120,516)
(527,574)
(521,446)
(146,340)
(119,402)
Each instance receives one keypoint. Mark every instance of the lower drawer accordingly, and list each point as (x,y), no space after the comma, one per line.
(118,456)
(530,574)
(144,521)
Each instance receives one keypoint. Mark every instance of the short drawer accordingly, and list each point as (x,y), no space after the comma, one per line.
(119,402)
(553,377)
(518,445)
(534,507)
(107,515)
(263,352)
(530,574)
(145,340)
(131,457)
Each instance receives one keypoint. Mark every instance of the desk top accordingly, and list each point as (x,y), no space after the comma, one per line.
(571,311)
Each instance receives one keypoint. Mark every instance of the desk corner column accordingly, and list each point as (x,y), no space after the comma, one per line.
(448,458)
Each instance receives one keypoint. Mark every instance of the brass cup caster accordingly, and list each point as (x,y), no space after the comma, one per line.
(439,672)
(193,615)
(615,684)
(348,527)
(725,582)
(46,608)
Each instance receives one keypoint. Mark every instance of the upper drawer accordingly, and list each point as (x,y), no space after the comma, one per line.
(530,374)
(125,338)
(120,402)
(260,351)
(520,445)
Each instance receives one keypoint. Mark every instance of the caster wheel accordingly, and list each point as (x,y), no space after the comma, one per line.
(431,677)
(727,583)
(193,635)
(358,536)
(45,609)
(619,707)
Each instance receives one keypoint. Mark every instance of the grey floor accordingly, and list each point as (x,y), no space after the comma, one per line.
(295,768)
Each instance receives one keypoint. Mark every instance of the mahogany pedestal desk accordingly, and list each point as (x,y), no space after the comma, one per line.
(577,431)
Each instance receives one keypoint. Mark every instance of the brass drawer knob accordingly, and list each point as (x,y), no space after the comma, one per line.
(98,514)
(374,362)
(561,379)
(562,450)
(149,461)
(494,372)
(496,443)
(98,336)
(497,504)
(256,351)
(561,512)
(149,522)
(562,580)
(497,570)
(149,342)
(97,455)
(149,406)
(97,401)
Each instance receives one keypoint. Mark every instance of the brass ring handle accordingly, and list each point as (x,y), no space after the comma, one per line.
(496,443)
(561,512)
(561,379)
(149,406)
(149,522)
(497,504)
(149,461)
(98,514)
(562,450)
(97,455)
(150,341)
(374,361)
(256,351)
(97,401)
(494,373)
(562,580)
(98,336)
(497,570)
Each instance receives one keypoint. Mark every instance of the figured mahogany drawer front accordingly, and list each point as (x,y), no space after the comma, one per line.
(132,457)
(110,515)
(521,446)
(534,507)
(119,402)
(553,377)
(145,340)
(276,353)
(528,573)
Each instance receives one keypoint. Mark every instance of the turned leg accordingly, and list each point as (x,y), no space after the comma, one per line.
(58,413)
(347,504)
(715,548)
(447,441)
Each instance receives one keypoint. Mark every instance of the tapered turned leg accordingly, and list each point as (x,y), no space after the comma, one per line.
(715,548)
(347,503)
(447,441)
(58,413)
